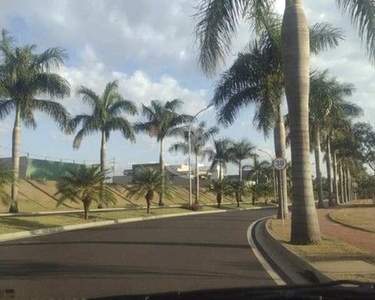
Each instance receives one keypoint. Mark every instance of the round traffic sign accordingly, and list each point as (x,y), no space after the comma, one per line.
(279,163)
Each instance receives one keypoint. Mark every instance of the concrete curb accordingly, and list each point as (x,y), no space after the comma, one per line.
(347,225)
(299,265)
(58,229)
(63,212)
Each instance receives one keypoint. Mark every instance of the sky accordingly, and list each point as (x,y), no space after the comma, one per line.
(148,46)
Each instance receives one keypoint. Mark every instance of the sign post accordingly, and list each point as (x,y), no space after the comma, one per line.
(279,165)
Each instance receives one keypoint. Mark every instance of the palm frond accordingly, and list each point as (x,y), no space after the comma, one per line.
(6,107)
(217,21)
(362,14)
(181,147)
(173,105)
(110,88)
(53,109)
(122,125)
(324,36)
(51,84)
(88,96)
(51,58)
(120,105)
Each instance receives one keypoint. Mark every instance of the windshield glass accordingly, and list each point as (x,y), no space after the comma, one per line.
(160,146)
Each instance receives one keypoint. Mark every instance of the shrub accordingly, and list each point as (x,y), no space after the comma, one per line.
(101,205)
(194,207)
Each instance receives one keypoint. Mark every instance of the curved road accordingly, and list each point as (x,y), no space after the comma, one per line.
(186,253)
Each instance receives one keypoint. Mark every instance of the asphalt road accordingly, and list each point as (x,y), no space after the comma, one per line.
(185,253)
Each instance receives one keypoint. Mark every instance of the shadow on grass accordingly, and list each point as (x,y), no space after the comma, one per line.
(21,224)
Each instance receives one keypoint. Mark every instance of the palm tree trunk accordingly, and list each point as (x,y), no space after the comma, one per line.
(103,150)
(335,179)
(240,170)
(279,141)
(16,159)
(162,171)
(349,185)
(341,200)
(296,52)
(329,172)
(345,182)
(86,207)
(196,180)
(318,170)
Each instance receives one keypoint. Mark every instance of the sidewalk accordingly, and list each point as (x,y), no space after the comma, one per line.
(361,239)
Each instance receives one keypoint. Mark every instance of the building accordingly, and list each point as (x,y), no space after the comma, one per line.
(38,169)
(177,174)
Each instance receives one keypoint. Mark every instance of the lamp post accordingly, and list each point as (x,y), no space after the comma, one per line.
(189,144)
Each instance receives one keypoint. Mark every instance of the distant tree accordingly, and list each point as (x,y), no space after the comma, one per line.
(221,187)
(162,118)
(240,151)
(146,183)
(25,77)
(85,184)
(240,188)
(220,155)
(199,138)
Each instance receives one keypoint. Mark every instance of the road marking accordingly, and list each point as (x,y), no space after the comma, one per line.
(271,272)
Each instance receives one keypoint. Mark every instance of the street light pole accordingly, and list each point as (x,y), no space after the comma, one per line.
(189,161)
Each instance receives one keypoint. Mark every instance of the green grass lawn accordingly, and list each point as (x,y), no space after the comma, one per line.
(359,217)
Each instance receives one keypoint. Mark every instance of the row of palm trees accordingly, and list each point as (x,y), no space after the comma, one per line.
(277,62)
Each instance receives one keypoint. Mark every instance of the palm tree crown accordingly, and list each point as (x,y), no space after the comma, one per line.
(106,116)
(220,154)
(84,184)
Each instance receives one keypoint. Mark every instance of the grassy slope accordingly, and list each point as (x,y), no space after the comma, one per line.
(37,195)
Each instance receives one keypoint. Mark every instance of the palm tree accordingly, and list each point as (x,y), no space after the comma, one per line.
(239,151)
(240,188)
(24,77)
(258,168)
(146,183)
(85,184)
(162,118)
(256,77)
(221,187)
(326,104)
(200,136)
(220,155)
(217,23)
(106,116)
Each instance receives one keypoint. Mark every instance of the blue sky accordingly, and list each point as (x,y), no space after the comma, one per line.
(149,47)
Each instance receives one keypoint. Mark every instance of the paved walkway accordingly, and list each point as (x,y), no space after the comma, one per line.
(358,238)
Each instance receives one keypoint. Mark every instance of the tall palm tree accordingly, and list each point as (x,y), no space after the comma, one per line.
(239,151)
(162,118)
(106,116)
(217,23)
(200,136)
(146,183)
(256,77)
(24,78)
(326,104)
(85,184)
(220,155)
